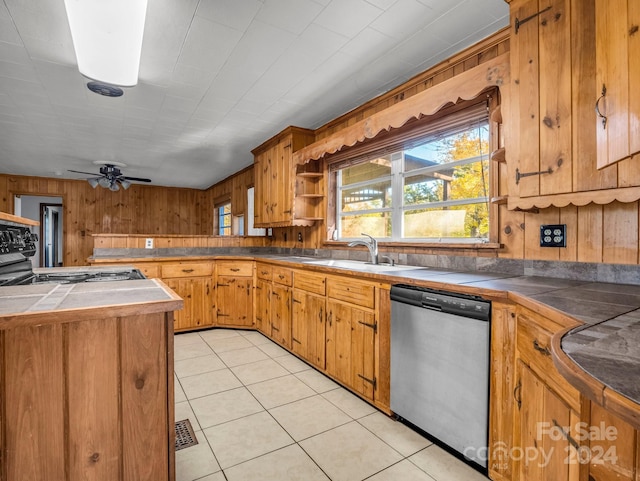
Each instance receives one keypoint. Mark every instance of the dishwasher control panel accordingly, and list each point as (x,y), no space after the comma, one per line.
(445,301)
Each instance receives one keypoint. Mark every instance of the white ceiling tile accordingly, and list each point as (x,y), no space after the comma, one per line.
(431,46)
(347,17)
(368,44)
(291,15)
(18,71)
(404,18)
(13,53)
(382,4)
(231,13)
(208,44)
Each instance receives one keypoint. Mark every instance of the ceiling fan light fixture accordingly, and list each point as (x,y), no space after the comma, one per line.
(114,187)
(93,182)
(107,38)
(104,182)
(125,184)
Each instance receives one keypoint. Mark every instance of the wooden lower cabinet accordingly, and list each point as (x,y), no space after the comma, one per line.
(193,281)
(262,306)
(197,294)
(350,353)
(89,399)
(281,314)
(545,446)
(613,449)
(308,327)
(233,301)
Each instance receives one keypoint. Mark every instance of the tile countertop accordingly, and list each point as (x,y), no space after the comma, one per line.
(20,305)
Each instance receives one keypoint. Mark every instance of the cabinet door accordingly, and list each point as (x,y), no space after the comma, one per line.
(613,447)
(308,327)
(263,306)
(197,294)
(617,44)
(350,333)
(262,171)
(545,445)
(281,314)
(234,301)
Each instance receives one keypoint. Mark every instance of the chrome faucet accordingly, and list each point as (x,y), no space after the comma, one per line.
(371,244)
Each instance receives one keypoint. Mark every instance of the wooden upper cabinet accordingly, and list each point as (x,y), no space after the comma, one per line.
(539,145)
(275,178)
(617,80)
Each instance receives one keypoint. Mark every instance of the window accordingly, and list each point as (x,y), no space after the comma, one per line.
(431,188)
(224,219)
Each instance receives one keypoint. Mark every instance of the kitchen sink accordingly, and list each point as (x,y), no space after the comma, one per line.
(360,265)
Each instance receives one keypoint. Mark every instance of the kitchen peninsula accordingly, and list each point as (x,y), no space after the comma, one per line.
(86,381)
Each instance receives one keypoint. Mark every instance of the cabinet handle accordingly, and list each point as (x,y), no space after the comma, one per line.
(516,393)
(603,117)
(259,288)
(320,315)
(280,276)
(233,269)
(275,328)
(276,295)
(567,436)
(222,285)
(540,348)
(297,301)
(330,318)
(187,271)
(295,340)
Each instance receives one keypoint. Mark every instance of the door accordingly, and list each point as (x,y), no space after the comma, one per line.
(545,431)
(350,354)
(281,314)
(308,327)
(233,301)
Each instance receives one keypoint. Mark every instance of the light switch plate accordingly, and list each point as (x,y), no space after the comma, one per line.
(553,235)
(148,243)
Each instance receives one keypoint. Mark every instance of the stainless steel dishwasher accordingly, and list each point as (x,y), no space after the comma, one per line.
(440,366)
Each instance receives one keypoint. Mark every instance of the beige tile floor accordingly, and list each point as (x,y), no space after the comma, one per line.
(260,413)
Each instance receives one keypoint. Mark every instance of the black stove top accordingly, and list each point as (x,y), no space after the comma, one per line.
(87,276)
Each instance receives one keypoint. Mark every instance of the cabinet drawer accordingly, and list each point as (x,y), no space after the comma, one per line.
(282,275)
(232,268)
(187,270)
(264,271)
(534,347)
(310,282)
(351,291)
(150,271)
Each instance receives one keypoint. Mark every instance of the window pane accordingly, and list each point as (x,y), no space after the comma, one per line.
(375,224)
(371,170)
(470,220)
(371,196)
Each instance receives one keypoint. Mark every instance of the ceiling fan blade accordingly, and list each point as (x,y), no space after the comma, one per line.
(88,173)
(135,179)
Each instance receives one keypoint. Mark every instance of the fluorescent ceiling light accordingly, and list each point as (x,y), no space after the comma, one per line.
(107,37)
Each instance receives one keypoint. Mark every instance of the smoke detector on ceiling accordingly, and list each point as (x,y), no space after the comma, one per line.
(105,89)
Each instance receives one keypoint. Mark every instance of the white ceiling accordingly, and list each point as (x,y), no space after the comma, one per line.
(217,78)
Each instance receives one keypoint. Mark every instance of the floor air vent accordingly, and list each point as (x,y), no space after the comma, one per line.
(185,436)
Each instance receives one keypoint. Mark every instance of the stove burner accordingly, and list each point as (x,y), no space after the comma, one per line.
(76,277)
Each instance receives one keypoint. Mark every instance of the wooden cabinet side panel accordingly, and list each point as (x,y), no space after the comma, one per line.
(501,405)
(633,21)
(34,391)
(94,424)
(145,399)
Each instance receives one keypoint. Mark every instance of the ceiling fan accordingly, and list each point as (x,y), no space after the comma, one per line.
(111,177)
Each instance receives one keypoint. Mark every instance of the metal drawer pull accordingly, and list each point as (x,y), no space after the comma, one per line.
(540,348)
(187,271)
(275,328)
(233,269)
(297,301)
(295,340)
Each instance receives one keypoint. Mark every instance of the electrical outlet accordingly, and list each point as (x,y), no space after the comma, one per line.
(299,236)
(148,243)
(553,235)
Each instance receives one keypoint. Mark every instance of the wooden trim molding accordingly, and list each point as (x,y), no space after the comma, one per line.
(465,86)
(606,196)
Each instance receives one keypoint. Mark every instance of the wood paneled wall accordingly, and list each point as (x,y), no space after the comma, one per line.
(141,209)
